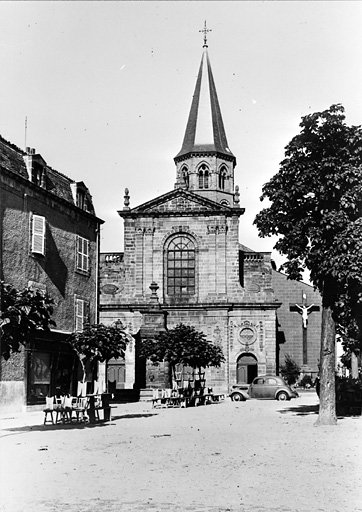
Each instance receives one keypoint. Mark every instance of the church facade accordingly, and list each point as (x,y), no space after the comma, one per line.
(183,262)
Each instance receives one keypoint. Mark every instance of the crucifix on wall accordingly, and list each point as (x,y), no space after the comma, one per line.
(304,310)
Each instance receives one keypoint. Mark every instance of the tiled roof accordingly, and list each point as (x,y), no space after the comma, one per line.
(12,159)
(205,128)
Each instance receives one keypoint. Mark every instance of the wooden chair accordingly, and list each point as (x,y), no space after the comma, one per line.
(80,407)
(49,410)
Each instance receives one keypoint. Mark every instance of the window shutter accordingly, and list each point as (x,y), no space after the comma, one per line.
(85,255)
(38,234)
(82,254)
(79,314)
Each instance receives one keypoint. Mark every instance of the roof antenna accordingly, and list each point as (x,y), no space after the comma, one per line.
(26,129)
(205,31)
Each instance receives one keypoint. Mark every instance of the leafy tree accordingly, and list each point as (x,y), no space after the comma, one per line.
(23,313)
(182,345)
(97,342)
(290,370)
(316,212)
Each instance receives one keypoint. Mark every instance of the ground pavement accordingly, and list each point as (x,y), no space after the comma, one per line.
(260,456)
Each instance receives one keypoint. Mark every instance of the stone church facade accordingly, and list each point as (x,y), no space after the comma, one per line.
(183,262)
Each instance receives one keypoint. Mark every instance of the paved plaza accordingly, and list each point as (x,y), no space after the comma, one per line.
(259,456)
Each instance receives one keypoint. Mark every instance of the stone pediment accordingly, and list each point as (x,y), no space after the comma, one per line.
(178,201)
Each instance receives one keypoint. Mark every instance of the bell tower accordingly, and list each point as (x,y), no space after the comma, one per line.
(205,165)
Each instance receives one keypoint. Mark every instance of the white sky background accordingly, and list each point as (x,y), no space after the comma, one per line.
(107,88)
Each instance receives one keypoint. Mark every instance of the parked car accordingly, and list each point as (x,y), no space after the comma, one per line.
(267,387)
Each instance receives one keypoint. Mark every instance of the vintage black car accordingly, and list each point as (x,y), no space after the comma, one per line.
(267,387)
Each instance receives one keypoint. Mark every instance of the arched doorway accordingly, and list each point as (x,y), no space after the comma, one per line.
(246,369)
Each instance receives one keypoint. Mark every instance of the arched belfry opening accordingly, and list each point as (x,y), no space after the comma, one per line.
(246,368)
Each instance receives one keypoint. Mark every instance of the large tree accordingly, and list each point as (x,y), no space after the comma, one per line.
(23,314)
(182,345)
(98,343)
(315,210)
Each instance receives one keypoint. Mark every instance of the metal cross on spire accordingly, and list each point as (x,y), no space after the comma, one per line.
(205,30)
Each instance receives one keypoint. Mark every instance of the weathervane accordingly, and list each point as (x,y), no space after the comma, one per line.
(205,31)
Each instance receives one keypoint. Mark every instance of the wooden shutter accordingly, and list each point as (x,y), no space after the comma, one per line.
(38,234)
(85,255)
(82,253)
(79,314)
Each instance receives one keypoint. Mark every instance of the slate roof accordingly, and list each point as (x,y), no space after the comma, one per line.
(12,159)
(205,128)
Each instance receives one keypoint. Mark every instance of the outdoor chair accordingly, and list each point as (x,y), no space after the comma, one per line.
(64,409)
(49,410)
(79,407)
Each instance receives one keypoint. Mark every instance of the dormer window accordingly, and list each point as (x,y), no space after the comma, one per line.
(79,191)
(80,198)
(35,166)
(37,174)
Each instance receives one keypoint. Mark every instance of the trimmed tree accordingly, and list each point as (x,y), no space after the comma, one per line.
(182,345)
(97,343)
(23,314)
(316,212)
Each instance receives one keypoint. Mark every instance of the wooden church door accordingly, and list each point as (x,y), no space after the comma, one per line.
(246,369)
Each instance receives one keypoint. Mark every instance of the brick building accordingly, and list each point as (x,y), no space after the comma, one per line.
(49,241)
(183,262)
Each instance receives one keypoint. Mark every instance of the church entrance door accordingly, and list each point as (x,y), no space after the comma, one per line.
(246,369)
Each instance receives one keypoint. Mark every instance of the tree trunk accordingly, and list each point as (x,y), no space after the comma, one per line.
(327,396)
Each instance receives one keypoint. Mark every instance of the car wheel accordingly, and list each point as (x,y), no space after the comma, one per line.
(237,397)
(282,396)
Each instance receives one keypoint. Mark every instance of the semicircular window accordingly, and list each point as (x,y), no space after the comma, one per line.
(181,266)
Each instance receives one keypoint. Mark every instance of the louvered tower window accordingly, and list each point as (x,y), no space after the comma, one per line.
(181,266)
(222,178)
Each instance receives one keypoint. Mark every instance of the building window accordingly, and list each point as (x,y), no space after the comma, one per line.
(185,176)
(82,254)
(81,314)
(36,173)
(80,198)
(203,176)
(39,375)
(222,178)
(181,266)
(38,234)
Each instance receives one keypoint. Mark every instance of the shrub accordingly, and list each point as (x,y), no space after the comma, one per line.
(290,370)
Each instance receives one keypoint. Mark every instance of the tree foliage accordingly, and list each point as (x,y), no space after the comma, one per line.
(182,345)
(316,207)
(290,370)
(98,342)
(23,313)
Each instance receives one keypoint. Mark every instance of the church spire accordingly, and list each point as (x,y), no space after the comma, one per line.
(205,164)
(205,128)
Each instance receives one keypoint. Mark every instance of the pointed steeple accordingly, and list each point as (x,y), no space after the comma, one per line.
(205,128)
(205,163)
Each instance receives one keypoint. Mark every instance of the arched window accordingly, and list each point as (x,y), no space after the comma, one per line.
(181,266)
(201,179)
(222,178)
(203,176)
(185,176)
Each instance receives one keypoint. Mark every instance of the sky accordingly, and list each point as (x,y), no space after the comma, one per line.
(106,89)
